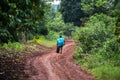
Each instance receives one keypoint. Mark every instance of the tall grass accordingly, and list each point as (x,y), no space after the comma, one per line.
(106,73)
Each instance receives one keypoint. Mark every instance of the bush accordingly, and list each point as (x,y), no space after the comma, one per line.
(98,48)
(58,25)
(111,52)
(95,33)
(69,29)
(13,46)
(52,35)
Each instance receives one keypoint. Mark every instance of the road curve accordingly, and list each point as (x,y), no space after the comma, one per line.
(54,66)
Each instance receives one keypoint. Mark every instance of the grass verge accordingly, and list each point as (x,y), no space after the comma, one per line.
(106,73)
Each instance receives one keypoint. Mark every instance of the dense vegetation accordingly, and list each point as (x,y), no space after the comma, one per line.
(96,24)
(98,39)
(17,20)
(71,11)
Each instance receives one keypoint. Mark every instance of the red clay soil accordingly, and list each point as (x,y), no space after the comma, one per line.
(56,66)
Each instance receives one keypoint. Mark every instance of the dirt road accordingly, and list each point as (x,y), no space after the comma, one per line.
(54,66)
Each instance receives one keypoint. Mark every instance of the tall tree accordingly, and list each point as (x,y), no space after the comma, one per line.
(71,11)
(116,14)
(117,4)
(91,7)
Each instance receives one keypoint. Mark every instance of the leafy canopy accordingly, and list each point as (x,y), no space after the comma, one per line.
(71,11)
(18,17)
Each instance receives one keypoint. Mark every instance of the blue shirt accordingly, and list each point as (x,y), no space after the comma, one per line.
(60,41)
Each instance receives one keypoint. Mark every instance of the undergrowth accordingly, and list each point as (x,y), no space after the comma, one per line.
(106,73)
(98,48)
(13,46)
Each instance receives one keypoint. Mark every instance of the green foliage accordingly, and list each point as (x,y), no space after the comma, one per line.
(49,13)
(71,11)
(48,0)
(117,4)
(13,46)
(69,29)
(98,47)
(104,62)
(96,6)
(41,29)
(111,52)
(52,35)
(4,35)
(107,73)
(90,61)
(57,25)
(116,13)
(108,54)
(16,17)
(98,30)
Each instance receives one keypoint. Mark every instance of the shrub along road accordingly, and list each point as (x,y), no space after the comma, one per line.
(54,66)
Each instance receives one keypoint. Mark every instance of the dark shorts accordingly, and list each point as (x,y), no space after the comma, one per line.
(58,48)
